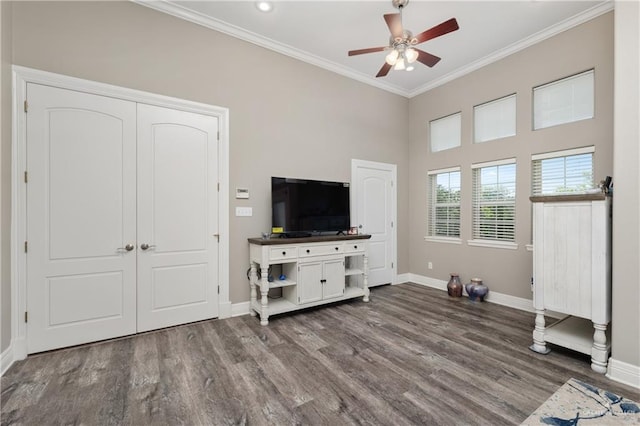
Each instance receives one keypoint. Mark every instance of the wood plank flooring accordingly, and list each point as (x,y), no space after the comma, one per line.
(410,356)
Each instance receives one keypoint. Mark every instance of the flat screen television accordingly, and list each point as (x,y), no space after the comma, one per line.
(301,207)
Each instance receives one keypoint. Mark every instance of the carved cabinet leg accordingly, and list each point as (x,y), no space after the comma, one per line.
(253,282)
(365,279)
(539,345)
(599,350)
(264,291)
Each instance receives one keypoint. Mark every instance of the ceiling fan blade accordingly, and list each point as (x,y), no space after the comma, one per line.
(394,23)
(427,58)
(384,70)
(363,51)
(438,30)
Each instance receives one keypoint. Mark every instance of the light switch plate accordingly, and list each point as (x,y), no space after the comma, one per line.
(244,211)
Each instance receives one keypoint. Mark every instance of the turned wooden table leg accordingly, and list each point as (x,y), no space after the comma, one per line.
(599,350)
(539,345)
(253,283)
(365,278)
(264,291)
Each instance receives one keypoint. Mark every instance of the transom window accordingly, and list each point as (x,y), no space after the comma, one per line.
(494,201)
(445,132)
(443,203)
(564,101)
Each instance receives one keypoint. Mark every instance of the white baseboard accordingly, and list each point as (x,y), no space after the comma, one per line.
(401,278)
(623,372)
(226,309)
(239,309)
(6,359)
(493,297)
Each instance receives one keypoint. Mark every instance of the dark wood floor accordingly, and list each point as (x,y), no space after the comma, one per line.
(410,356)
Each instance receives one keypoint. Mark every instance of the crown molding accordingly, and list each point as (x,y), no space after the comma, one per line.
(215,24)
(549,32)
(181,12)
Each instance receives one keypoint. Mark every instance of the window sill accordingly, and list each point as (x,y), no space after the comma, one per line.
(448,240)
(493,244)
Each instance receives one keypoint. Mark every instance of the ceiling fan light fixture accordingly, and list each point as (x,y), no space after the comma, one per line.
(400,65)
(392,57)
(410,67)
(411,55)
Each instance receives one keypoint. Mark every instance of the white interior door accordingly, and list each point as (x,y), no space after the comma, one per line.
(177,217)
(373,212)
(81,213)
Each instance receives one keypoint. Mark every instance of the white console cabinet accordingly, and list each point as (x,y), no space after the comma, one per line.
(314,271)
(572,273)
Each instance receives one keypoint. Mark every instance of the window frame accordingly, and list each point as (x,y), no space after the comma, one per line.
(537,93)
(538,158)
(476,203)
(432,204)
(441,120)
(479,107)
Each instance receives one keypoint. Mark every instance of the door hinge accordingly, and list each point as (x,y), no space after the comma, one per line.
(26,177)
(25,246)
(218,136)
(26,106)
(218,186)
(26,316)
(218,289)
(392,224)
(392,184)
(298,299)
(391,265)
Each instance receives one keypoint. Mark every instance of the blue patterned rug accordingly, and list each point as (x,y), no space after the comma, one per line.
(579,403)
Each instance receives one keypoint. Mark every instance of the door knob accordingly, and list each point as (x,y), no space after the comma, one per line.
(145,246)
(128,247)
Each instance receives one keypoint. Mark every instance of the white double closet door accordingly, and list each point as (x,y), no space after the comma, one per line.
(122,213)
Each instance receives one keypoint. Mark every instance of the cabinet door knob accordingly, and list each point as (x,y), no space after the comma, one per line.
(308,251)
(336,248)
(355,247)
(284,253)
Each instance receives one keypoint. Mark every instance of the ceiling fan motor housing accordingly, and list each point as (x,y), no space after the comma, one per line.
(399,4)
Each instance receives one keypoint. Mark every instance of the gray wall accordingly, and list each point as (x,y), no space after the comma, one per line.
(626,211)
(5,173)
(587,46)
(287,118)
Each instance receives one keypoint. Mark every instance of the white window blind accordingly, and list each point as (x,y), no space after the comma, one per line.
(443,203)
(445,132)
(494,201)
(495,119)
(564,101)
(562,171)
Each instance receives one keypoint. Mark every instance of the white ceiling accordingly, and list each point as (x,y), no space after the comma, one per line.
(322,32)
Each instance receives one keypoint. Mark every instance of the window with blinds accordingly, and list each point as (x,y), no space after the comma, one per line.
(564,101)
(495,119)
(445,132)
(494,201)
(562,171)
(443,203)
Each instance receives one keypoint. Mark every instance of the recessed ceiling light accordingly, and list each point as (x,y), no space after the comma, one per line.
(264,6)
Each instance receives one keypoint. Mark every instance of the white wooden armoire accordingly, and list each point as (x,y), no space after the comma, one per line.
(572,273)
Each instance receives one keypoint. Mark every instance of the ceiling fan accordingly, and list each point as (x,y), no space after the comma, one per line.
(401,43)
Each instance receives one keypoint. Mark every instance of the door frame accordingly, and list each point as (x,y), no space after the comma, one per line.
(393,169)
(21,76)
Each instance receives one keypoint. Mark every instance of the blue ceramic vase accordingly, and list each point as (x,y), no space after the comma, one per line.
(476,289)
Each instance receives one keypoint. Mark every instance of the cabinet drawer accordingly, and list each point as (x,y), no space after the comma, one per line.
(354,247)
(320,250)
(283,252)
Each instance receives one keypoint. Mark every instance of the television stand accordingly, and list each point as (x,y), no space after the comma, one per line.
(311,271)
